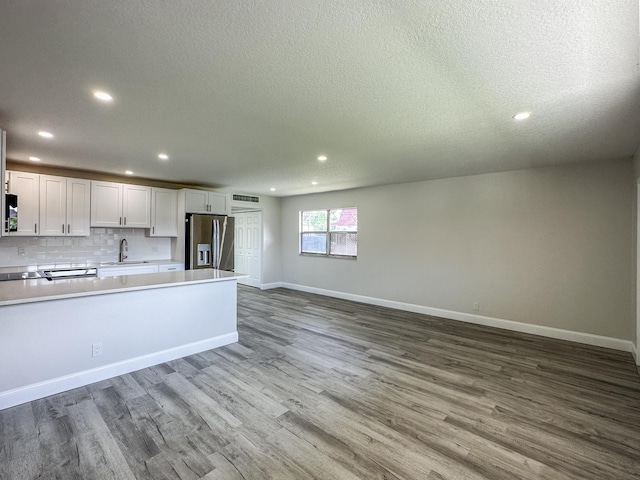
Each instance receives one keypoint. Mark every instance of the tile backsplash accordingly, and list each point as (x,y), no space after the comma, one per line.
(101,246)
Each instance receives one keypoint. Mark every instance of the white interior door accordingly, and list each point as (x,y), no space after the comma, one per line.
(248,247)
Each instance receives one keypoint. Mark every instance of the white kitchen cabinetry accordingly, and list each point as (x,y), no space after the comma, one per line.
(202,201)
(171,267)
(27,187)
(64,206)
(136,206)
(106,204)
(118,205)
(164,213)
(119,270)
(138,268)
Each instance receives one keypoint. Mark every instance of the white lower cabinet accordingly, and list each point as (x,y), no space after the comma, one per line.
(120,270)
(138,268)
(171,267)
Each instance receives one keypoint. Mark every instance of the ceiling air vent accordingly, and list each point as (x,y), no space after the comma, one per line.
(246,198)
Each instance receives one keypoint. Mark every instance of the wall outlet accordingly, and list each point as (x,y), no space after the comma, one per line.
(154,249)
(476,307)
(96,349)
(21,251)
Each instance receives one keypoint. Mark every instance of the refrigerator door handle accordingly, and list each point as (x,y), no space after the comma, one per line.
(216,243)
(224,232)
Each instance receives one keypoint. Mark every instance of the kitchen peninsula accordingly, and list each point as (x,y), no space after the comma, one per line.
(63,334)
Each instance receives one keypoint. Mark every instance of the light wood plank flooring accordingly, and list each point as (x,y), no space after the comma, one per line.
(330,389)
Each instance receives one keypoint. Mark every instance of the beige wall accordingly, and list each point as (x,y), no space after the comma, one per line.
(549,246)
(271,235)
(636,259)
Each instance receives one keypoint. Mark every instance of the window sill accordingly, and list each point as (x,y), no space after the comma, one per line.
(324,255)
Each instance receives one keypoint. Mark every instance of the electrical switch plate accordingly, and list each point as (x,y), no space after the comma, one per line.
(20,250)
(476,306)
(96,349)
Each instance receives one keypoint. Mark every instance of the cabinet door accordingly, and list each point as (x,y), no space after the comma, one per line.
(164,213)
(218,203)
(106,204)
(136,206)
(171,267)
(53,206)
(126,270)
(27,187)
(196,201)
(78,209)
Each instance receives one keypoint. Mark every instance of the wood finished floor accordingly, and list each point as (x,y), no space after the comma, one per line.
(330,389)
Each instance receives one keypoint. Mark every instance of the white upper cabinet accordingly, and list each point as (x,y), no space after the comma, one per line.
(164,213)
(64,206)
(196,201)
(27,187)
(119,205)
(202,201)
(53,205)
(106,204)
(136,206)
(78,207)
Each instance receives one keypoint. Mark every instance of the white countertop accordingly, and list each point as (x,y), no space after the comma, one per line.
(40,289)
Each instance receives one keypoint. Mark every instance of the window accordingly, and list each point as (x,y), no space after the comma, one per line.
(329,232)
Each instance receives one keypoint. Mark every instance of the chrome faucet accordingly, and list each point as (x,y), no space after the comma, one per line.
(124,247)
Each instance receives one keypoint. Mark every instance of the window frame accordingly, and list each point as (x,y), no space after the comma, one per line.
(327,232)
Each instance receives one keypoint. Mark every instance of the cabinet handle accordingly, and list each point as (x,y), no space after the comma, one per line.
(35,228)
(63,228)
(68,228)
(153,230)
(120,220)
(125,221)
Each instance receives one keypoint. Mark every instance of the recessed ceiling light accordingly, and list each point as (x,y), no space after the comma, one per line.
(34,159)
(522,116)
(314,183)
(163,156)
(44,134)
(273,189)
(322,158)
(129,172)
(103,96)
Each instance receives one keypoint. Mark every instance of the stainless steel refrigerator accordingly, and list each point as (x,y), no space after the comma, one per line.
(209,242)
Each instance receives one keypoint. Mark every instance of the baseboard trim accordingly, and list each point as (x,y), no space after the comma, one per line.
(269,286)
(28,393)
(551,332)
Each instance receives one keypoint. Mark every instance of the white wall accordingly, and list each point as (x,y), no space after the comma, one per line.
(549,246)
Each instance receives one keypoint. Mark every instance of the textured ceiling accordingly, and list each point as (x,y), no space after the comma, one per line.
(246,94)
